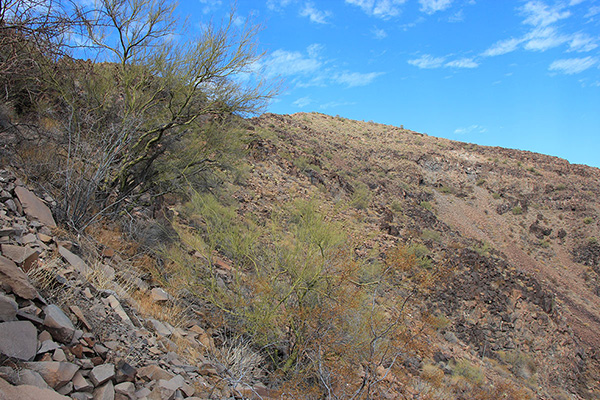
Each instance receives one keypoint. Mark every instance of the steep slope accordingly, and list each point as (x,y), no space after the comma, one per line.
(518,229)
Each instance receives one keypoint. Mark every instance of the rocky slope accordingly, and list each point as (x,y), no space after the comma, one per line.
(518,230)
(514,236)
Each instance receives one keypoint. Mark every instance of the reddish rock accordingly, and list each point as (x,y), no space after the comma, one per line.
(22,255)
(34,208)
(16,279)
(27,392)
(56,374)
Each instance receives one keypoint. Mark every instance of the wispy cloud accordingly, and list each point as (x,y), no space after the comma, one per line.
(336,104)
(288,63)
(427,61)
(379,33)
(503,47)
(277,5)
(210,5)
(537,13)
(544,38)
(470,129)
(433,6)
(352,79)
(315,15)
(582,42)
(462,63)
(545,32)
(572,66)
(303,102)
(379,8)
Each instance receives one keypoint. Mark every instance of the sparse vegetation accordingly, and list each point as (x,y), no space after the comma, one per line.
(517,210)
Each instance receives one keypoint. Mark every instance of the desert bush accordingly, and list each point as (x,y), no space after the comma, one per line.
(468,370)
(361,197)
(517,210)
(588,220)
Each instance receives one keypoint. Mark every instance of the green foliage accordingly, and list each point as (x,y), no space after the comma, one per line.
(468,371)
(517,210)
(396,206)
(361,198)
(483,249)
(588,220)
(429,234)
(480,182)
(426,205)
(496,195)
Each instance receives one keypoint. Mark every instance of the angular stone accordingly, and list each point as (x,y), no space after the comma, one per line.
(59,325)
(18,339)
(105,392)
(125,388)
(159,295)
(125,372)
(16,279)
(44,238)
(101,374)
(66,389)
(82,396)
(114,303)
(27,392)
(79,314)
(34,208)
(74,260)
(56,374)
(163,390)
(22,255)
(154,372)
(59,355)
(8,308)
(80,384)
(29,377)
(48,346)
(160,328)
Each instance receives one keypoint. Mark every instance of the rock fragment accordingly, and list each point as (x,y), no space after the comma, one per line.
(102,373)
(18,339)
(8,308)
(16,279)
(34,208)
(55,373)
(59,325)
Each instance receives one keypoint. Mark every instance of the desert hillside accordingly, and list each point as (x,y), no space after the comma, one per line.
(384,262)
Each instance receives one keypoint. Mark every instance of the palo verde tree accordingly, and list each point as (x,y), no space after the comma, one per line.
(152,85)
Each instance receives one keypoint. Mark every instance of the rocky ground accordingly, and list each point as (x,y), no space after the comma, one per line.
(62,337)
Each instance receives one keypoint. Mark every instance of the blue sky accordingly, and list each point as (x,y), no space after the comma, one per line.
(518,74)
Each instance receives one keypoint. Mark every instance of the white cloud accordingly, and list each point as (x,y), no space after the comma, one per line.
(503,47)
(379,33)
(277,5)
(593,11)
(352,79)
(470,129)
(315,15)
(288,63)
(462,63)
(458,16)
(582,42)
(379,8)
(542,39)
(540,14)
(303,102)
(572,66)
(433,6)
(210,5)
(427,61)
(336,104)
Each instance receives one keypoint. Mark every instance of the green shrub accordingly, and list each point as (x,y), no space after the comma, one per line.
(480,182)
(361,198)
(431,235)
(496,195)
(468,371)
(588,220)
(426,205)
(517,210)
(396,206)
